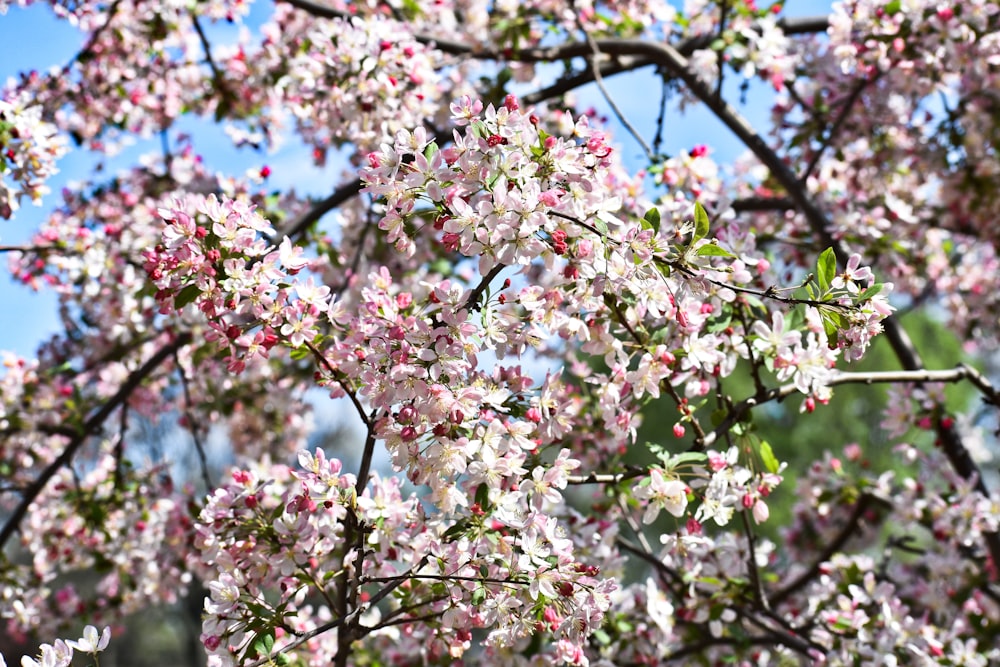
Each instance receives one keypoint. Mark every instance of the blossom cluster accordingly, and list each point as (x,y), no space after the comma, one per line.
(500,303)
(509,193)
(29,148)
(887,59)
(341,80)
(721,484)
(60,652)
(296,531)
(129,525)
(219,262)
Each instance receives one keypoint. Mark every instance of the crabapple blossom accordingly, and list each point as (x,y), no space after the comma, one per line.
(545,338)
(29,148)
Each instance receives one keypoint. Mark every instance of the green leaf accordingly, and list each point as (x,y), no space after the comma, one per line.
(713,250)
(442,266)
(701,223)
(601,226)
(263,644)
(893,7)
(430,150)
(720,322)
(623,626)
(767,457)
(652,220)
(479,129)
(186,296)
(687,457)
(483,496)
(455,531)
(832,325)
(870,292)
(826,269)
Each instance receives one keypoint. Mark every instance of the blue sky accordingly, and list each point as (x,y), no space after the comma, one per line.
(30,317)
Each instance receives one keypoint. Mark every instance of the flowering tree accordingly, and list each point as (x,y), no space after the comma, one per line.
(498,299)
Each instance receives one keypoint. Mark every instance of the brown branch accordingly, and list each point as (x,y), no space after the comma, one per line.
(958,374)
(787,638)
(339,378)
(91,426)
(669,574)
(29,248)
(207,48)
(193,425)
(763,204)
(803,25)
(835,545)
(319,209)
(595,70)
(761,600)
(472,303)
(605,478)
(834,129)
(950,375)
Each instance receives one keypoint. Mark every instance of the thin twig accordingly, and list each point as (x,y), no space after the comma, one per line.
(220,82)
(206,478)
(472,303)
(835,128)
(758,586)
(849,529)
(605,478)
(30,248)
(319,209)
(325,363)
(599,80)
(90,426)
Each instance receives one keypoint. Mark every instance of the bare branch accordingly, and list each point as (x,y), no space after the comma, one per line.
(193,426)
(319,209)
(958,374)
(599,80)
(472,303)
(834,129)
(605,478)
(866,502)
(91,426)
(763,204)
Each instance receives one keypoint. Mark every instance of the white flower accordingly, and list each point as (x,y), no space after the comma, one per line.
(91,642)
(662,493)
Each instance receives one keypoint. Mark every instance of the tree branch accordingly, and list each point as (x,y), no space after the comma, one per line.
(763,204)
(866,501)
(957,374)
(92,425)
(472,303)
(319,209)
(834,129)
